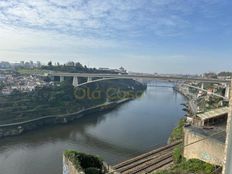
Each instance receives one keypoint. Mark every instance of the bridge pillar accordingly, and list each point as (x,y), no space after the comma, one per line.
(75,81)
(89,79)
(202,85)
(61,78)
(227,91)
(187,90)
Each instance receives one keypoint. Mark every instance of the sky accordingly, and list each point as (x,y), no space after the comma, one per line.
(164,36)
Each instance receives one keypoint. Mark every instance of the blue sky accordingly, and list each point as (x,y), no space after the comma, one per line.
(165,36)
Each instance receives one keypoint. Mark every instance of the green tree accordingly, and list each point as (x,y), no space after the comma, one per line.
(50,63)
(177,155)
(2,85)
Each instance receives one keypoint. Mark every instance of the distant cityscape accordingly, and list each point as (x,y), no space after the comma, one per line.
(4,65)
(30,64)
(26,76)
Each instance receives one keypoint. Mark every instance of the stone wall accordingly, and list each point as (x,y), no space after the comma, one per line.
(210,150)
(68,167)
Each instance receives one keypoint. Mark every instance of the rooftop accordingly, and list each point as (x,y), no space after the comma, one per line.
(213,113)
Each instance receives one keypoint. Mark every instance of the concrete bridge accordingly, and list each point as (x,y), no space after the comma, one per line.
(226,97)
(89,80)
(77,83)
(90,76)
(175,78)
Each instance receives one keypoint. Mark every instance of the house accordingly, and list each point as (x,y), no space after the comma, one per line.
(7,91)
(210,91)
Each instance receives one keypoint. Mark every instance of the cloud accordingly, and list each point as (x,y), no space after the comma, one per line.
(102,18)
(99,30)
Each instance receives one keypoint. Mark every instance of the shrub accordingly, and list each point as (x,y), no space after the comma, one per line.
(177,155)
(177,133)
(92,170)
(88,163)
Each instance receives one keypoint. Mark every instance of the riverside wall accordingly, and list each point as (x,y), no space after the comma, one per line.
(210,150)
(69,168)
(190,103)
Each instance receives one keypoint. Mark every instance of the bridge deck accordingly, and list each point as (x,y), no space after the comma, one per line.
(142,76)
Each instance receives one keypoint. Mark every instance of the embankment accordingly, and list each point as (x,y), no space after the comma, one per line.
(21,112)
(14,129)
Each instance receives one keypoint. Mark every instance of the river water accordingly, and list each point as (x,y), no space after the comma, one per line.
(131,129)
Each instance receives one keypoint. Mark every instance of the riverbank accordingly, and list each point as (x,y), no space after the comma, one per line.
(178,133)
(63,103)
(14,129)
(192,107)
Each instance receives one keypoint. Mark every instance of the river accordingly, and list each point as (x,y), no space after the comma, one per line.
(131,129)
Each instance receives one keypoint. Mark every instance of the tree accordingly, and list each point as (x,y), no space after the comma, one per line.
(50,63)
(2,85)
(79,65)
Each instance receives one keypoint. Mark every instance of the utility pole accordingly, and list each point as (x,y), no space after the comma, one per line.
(227,166)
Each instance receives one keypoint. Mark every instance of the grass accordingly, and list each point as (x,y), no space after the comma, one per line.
(29,71)
(177,133)
(189,166)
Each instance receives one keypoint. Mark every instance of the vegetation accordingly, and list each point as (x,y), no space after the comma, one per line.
(193,90)
(183,166)
(189,166)
(177,133)
(30,71)
(225,74)
(73,68)
(2,85)
(210,75)
(177,155)
(207,103)
(63,99)
(88,163)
